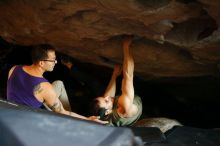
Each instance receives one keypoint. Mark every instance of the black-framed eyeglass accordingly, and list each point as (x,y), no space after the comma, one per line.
(54,61)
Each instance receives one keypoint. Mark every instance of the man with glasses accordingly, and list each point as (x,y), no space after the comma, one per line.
(26,84)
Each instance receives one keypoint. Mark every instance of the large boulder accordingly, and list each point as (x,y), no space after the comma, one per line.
(173,38)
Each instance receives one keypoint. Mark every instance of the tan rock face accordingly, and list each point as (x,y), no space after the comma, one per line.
(173,38)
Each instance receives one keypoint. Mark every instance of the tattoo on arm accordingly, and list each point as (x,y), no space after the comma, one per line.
(38,89)
(57,107)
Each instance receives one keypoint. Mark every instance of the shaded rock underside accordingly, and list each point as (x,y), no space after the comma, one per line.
(173,38)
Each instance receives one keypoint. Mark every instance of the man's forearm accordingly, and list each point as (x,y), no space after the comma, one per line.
(111,88)
(72,114)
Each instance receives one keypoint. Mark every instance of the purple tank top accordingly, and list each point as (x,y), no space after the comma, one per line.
(20,88)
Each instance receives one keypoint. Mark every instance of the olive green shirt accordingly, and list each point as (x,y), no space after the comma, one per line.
(116,120)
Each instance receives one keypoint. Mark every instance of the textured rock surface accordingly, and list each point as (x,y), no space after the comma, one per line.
(164,124)
(173,38)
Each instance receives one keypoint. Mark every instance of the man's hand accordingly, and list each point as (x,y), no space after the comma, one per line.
(68,64)
(96,119)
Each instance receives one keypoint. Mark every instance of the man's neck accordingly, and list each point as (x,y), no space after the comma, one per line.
(35,70)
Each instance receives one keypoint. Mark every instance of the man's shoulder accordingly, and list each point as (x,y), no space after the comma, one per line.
(46,89)
(46,85)
(11,71)
(13,67)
